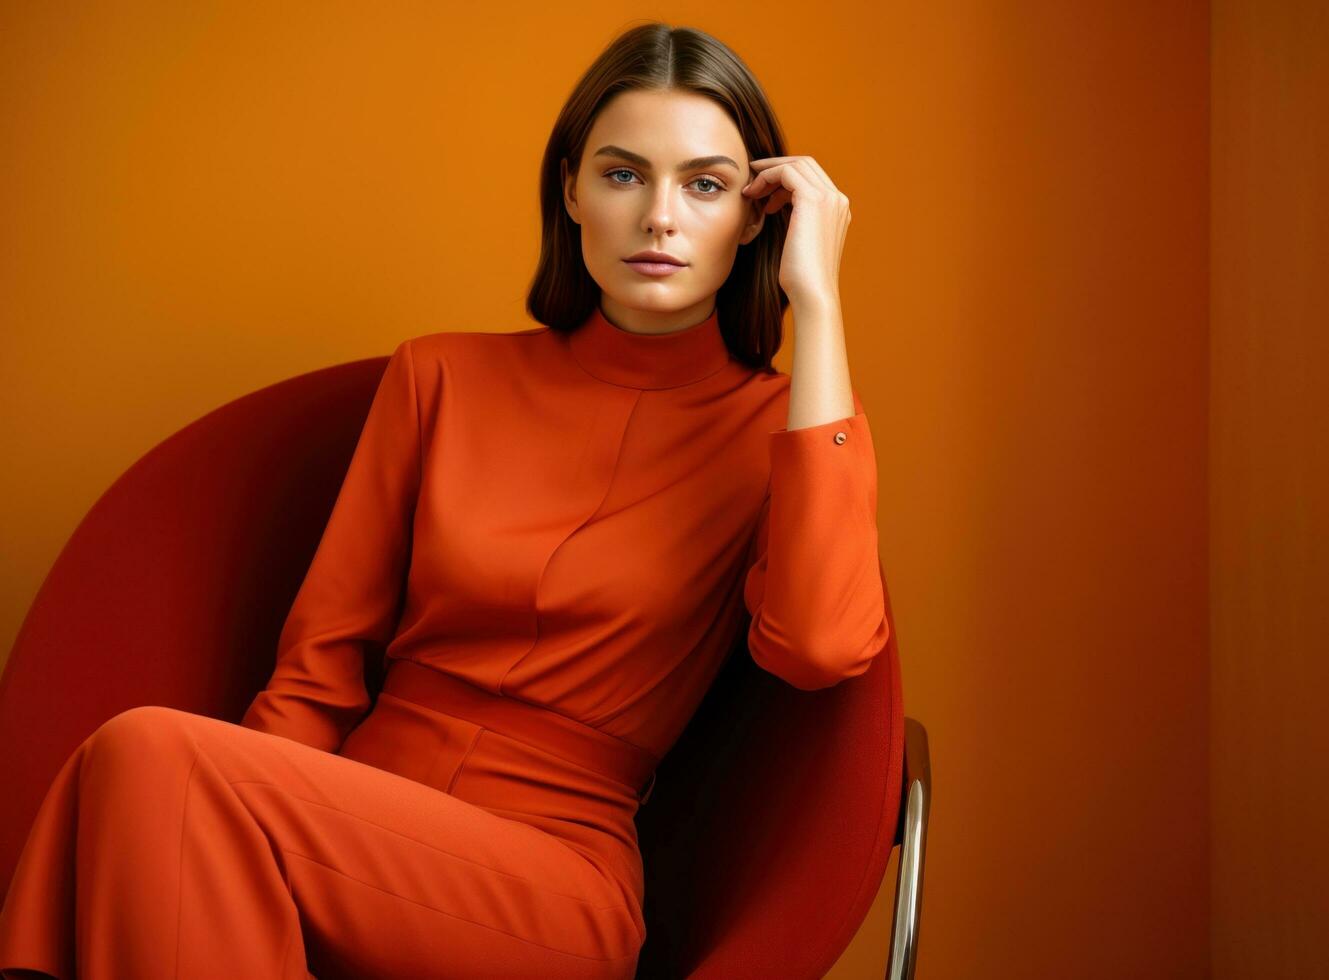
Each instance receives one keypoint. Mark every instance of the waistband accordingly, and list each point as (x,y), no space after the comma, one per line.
(534,724)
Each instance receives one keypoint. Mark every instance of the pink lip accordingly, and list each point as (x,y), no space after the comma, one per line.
(655,268)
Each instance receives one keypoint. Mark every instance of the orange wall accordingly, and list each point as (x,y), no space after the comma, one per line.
(200,202)
(1269,491)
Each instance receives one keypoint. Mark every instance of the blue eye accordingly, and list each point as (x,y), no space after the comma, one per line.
(719,188)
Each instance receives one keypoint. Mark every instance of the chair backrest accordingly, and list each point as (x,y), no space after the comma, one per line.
(173,588)
(767,833)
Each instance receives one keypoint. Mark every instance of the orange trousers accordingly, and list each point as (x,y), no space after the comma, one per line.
(172,844)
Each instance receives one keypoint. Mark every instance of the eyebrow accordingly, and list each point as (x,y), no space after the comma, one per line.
(693,164)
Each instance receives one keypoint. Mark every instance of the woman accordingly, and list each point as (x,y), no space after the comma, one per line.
(555,535)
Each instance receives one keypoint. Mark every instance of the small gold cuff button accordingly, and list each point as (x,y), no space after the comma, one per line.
(840,437)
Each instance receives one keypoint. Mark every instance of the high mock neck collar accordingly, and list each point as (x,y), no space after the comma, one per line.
(638,360)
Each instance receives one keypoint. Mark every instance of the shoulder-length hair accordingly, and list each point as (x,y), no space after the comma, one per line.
(655,56)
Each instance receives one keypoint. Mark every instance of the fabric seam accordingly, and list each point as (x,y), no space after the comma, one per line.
(354,816)
(463,918)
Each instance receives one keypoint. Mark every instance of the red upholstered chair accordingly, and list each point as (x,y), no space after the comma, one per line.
(766,835)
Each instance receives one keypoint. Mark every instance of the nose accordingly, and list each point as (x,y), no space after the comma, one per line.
(659,216)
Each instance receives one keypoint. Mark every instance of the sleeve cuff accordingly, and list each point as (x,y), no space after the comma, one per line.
(835,458)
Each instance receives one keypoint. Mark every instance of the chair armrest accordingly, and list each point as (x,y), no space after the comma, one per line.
(911,835)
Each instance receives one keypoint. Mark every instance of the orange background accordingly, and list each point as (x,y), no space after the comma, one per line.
(1099,449)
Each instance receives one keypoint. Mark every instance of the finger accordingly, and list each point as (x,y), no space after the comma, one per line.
(766,181)
(764,162)
(816,174)
(783,183)
(799,174)
(766,165)
(756,190)
(797,184)
(776,201)
(815,169)
(753,187)
(814,178)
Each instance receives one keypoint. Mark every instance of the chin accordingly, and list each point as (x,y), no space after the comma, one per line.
(656,299)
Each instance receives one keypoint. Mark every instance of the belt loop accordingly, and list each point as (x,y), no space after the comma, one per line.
(650,785)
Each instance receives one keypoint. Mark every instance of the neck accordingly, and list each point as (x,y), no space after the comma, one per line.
(649,360)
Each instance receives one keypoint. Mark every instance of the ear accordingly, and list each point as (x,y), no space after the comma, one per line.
(757,220)
(569,182)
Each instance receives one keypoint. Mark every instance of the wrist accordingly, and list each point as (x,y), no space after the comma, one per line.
(816,303)
(820,306)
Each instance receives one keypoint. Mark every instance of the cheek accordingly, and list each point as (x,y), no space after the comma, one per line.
(602,206)
(717,231)
(599,252)
(604,219)
(723,220)
(599,233)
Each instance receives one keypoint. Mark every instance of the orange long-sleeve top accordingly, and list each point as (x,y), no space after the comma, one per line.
(585,521)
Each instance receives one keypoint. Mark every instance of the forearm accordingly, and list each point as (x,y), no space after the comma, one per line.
(820,388)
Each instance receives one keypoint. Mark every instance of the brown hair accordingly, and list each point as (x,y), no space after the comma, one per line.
(655,56)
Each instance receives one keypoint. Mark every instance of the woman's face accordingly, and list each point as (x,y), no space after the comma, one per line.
(661,171)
